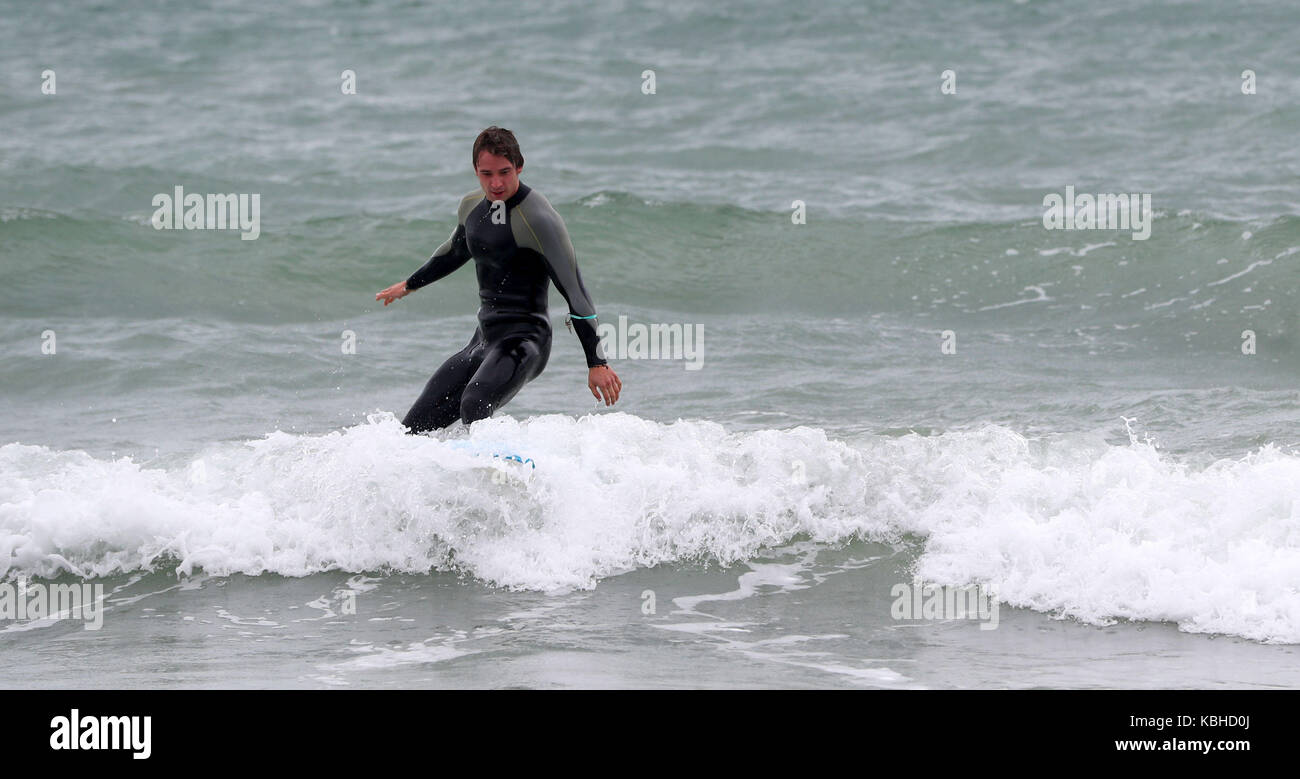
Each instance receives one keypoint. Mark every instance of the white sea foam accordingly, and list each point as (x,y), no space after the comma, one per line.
(1072,526)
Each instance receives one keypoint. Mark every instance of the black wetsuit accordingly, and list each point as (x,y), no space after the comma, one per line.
(518,245)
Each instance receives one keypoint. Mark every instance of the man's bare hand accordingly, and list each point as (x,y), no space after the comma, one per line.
(603,378)
(395,292)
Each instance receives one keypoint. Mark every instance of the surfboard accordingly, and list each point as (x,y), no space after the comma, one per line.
(504,468)
(495,451)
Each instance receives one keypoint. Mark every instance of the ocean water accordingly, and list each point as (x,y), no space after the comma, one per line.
(1107,447)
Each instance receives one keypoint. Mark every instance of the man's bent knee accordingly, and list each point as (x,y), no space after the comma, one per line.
(422,421)
(475,406)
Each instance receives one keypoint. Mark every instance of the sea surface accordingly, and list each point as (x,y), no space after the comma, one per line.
(902,381)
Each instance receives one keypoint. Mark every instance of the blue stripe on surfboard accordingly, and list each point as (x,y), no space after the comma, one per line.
(477,448)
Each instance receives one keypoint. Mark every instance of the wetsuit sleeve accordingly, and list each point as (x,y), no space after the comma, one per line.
(544,232)
(447,258)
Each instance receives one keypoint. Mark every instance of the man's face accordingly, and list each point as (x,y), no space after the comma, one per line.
(498,176)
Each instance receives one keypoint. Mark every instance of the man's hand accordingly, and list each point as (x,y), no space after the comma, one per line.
(602,377)
(395,292)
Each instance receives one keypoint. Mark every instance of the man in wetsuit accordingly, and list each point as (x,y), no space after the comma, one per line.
(519,244)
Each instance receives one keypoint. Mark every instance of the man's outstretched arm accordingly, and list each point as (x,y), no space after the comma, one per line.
(447,258)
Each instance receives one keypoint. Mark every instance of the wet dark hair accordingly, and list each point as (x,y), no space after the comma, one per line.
(501,142)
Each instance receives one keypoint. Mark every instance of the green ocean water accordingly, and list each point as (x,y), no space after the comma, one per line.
(918,380)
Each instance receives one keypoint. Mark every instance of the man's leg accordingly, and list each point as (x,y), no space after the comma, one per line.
(507,366)
(439,404)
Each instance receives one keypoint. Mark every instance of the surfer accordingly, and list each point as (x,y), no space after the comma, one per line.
(519,244)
